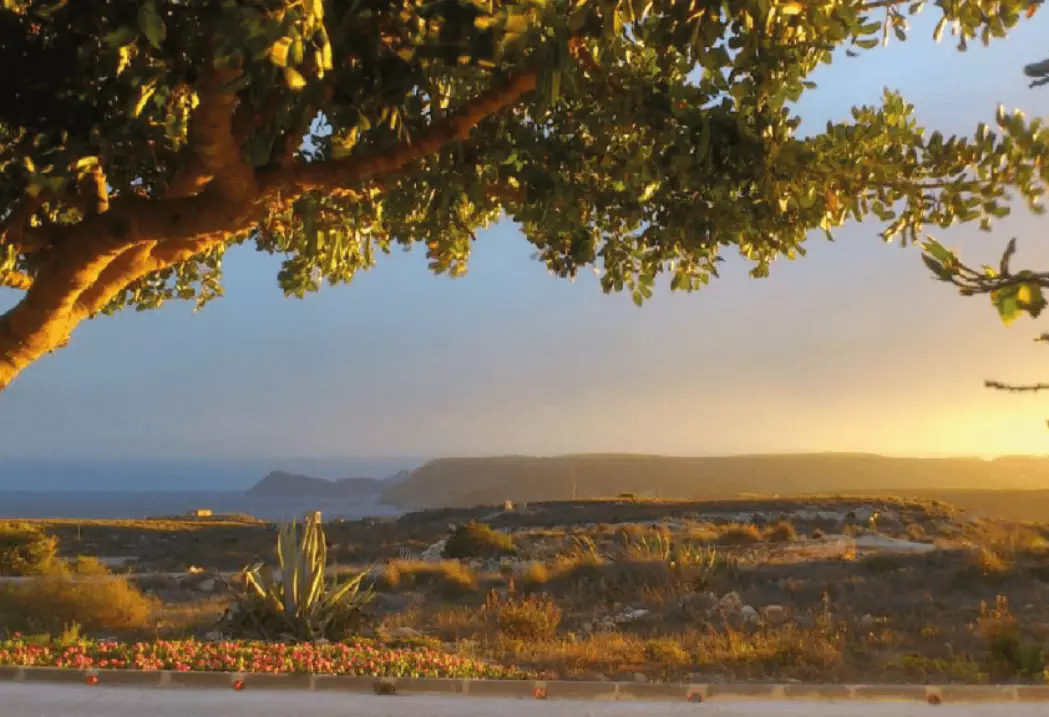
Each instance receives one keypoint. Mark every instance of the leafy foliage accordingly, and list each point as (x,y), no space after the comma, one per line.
(25,549)
(523,617)
(301,605)
(637,137)
(65,598)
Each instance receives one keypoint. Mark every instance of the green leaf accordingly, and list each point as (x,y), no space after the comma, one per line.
(120,37)
(937,34)
(294,78)
(278,52)
(1005,300)
(939,252)
(139,101)
(151,24)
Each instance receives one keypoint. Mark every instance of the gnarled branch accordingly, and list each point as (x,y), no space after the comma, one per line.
(218,196)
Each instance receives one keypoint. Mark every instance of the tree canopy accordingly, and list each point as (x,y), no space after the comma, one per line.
(139,139)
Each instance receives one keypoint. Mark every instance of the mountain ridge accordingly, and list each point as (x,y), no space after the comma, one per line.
(463,482)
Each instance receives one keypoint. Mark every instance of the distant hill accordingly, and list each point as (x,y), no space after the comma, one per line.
(465,482)
(282,484)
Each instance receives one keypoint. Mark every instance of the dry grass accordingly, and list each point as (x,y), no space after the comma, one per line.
(522,617)
(158,525)
(987,565)
(740,534)
(449,577)
(87,595)
(673,656)
(781,532)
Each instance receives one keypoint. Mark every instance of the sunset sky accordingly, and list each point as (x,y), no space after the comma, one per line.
(853,348)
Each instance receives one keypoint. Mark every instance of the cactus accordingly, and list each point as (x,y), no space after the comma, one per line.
(302,605)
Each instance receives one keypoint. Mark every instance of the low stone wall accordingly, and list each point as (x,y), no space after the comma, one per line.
(552,690)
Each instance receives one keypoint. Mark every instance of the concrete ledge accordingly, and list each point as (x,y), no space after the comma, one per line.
(531,690)
(817,692)
(600,691)
(413,686)
(977,693)
(746,691)
(345,683)
(1026,693)
(133,678)
(55,674)
(11,674)
(509,689)
(199,680)
(652,692)
(892,693)
(271,681)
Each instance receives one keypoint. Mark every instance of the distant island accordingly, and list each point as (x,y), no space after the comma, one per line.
(280,484)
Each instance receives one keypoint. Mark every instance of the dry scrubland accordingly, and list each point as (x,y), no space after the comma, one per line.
(827,589)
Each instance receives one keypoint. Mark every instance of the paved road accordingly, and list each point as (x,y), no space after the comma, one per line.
(49,700)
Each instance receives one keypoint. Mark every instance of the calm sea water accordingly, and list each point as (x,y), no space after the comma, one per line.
(97,504)
(138,488)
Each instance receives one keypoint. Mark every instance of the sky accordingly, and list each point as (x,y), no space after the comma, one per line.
(852,348)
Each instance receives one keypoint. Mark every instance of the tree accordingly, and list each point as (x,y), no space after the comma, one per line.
(1013,293)
(141,138)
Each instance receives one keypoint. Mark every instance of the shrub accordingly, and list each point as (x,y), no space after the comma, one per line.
(535,576)
(85,594)
(781,532)
(1009,652)
(667,651)
(523,617)
(478,540)
(449,576)
(986,565)
(25,549)
(740,534)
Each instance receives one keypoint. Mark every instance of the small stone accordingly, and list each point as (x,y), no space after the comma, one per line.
(640,677)
(731,602)
(749,614)
(775,614)
(207,586)
(704,602)
(404,633)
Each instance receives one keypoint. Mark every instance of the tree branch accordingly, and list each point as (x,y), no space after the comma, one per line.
(1022,388)
(93,260)
(214,146)
(376,165)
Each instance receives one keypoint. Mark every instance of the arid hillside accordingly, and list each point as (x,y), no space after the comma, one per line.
(463,482)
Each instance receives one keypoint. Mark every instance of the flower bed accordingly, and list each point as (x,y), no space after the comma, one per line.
(190,655)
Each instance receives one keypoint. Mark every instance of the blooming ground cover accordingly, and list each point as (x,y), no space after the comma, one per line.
(190,655)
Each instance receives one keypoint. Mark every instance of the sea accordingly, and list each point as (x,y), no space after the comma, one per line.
(140,488)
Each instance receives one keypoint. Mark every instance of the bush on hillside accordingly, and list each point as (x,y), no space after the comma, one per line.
(25,549)
(478,540)
(781,532)
(448,577)
(528,617)
(85,594)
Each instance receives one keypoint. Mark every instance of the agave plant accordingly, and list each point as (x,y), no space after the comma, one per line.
(302,604)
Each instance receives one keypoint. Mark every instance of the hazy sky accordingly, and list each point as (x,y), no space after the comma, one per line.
(854,347)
